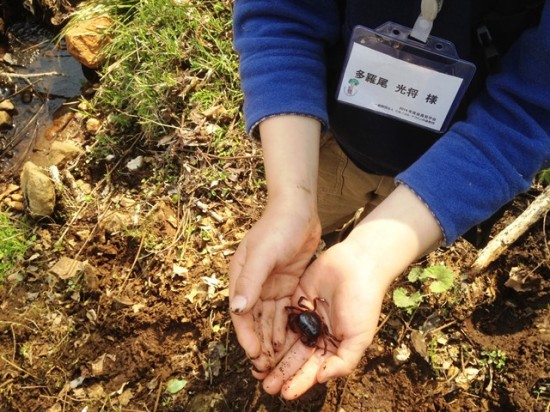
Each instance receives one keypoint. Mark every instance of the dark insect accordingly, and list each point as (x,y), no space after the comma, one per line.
(309,325)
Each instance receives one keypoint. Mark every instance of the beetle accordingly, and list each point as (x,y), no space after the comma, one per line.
(307,323)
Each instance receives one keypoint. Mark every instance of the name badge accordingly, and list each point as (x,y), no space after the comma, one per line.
(393,75)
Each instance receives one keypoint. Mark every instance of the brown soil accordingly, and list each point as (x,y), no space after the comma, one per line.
(149,308)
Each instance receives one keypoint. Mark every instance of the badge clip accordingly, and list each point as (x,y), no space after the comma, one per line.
(388,72)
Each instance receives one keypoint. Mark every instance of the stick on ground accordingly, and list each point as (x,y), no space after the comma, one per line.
(512,232)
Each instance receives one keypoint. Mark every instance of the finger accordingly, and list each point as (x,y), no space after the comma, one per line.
(287,367)
(289,341)
(262,365)
(262,313)
(260,370)
(246,335)
(264,317)
(305,377)
(259,375)
(279,323)
(349,353)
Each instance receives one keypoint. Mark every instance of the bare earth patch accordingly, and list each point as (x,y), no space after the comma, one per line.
(140,322)
(121,304)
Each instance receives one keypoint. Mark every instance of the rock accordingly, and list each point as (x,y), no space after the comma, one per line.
(205,402)
(38,189)
(6,121)
(67,268)
(15,205)
(26,96)
(85,41)
(58,125)
(62,151)
(8,190)
(92,125)
(7,105)
(9,59)
(135,163)
(114,222)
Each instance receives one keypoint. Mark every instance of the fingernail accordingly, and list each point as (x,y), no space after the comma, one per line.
(323,379)
(238,304)
(253,368)
(252,358)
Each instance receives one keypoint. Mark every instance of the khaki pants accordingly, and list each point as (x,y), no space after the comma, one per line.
(346,193)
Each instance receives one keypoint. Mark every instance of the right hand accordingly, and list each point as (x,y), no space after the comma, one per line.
(264,274)
(352,291)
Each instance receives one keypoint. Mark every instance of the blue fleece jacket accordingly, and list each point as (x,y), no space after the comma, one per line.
(479,165)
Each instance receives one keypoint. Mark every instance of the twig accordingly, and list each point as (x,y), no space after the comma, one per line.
(244,157)
(157,399)
(13,365)
(205,209)
(512,232)
(136,257)
(445,326)
(545,237)
(16,323)
(6,382)
(381,325)
(30,75)
(343,393)
(14,342)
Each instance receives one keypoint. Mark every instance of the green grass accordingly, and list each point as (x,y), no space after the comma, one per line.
(14,242)
(167,61)
(544,177)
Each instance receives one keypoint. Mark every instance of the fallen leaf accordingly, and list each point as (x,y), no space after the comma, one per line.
(175,385)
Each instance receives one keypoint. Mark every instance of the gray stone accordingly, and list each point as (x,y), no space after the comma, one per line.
(7,105)
(61,151)
(38,189)
(6,121)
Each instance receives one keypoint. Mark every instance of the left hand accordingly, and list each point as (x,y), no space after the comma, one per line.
(265,270)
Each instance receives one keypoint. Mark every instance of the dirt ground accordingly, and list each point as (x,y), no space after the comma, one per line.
(143,324)
(114,335)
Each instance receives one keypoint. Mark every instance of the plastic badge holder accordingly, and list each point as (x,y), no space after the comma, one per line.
(425,68)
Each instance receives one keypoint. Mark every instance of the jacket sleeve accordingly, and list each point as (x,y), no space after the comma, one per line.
(485,161)
(281,46)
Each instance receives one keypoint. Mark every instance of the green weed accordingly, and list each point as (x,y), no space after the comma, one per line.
(165,60)
(14,242)
(544,177)
(495,358)
(438,278)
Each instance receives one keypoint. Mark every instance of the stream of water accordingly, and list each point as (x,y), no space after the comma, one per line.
(39,78)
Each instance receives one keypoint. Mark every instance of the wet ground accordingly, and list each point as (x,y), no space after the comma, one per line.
(40,78)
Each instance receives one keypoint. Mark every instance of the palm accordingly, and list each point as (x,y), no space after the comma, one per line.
(353,301)
(270,260)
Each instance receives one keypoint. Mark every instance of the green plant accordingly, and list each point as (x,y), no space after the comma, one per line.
(14,242)
(164,58)
(544,177)
(495,358)
(440,279)
(24,350)
(404,299)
